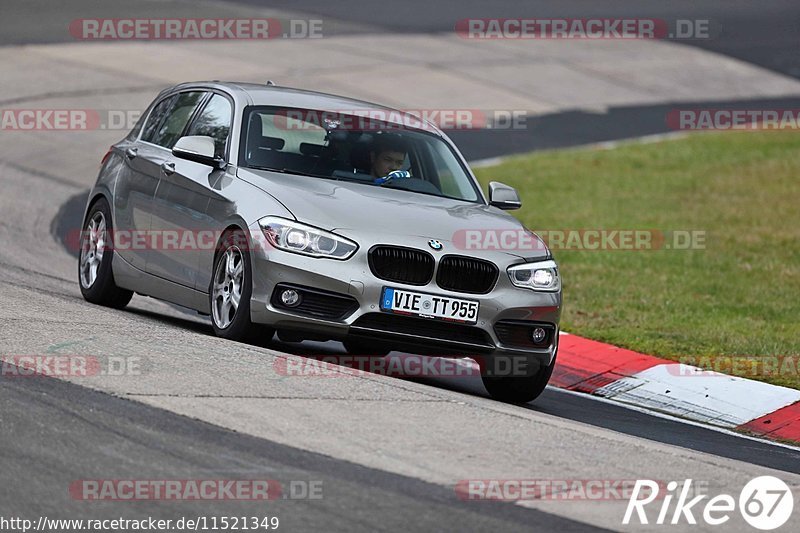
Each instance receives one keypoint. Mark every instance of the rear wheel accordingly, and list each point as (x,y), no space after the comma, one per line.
(230,292)
(94,264)
(518,389)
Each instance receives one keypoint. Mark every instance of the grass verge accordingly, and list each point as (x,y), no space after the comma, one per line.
(733,305)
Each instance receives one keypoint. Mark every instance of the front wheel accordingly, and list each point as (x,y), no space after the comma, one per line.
(94,264)
(518,389)
(230,292)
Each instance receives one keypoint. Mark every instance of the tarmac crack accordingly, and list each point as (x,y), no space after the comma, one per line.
(40,174)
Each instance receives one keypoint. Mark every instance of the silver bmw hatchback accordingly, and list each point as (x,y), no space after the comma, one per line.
(321,217)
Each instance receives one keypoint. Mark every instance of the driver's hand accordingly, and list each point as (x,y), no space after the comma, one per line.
(393,175)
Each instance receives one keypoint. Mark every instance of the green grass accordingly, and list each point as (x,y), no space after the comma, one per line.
(740,296)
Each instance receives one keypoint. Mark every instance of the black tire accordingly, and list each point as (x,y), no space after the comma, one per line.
(102,290)
(240,328)
(518,389)
(364,347)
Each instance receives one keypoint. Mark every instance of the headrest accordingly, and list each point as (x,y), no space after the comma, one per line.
(256,139)
(360,157)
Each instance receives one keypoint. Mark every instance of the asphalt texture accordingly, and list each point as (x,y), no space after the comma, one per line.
(765,33)
(386,451)
(63,433)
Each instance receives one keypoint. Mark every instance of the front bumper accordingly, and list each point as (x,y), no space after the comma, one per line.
(504,312)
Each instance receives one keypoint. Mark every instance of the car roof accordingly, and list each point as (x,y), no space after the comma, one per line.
(274,95)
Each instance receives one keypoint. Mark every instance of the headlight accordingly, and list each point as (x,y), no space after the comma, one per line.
(295,237)
(541,276)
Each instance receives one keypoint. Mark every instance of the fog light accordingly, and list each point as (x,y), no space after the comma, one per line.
(538,335)
(290,298)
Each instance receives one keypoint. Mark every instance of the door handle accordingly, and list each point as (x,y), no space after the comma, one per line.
(130,153)
(168,168)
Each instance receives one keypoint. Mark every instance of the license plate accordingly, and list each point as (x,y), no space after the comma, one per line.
(429,305)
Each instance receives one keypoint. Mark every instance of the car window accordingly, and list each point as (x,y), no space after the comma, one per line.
(137,127)
(448,172)
(358,148)
(293,132)
(155,118)
(214,121)
(171,128)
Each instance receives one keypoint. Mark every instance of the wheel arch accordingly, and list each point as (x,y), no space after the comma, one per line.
(93,197)
(229,228)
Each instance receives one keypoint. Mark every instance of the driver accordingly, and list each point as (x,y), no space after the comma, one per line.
(387,155)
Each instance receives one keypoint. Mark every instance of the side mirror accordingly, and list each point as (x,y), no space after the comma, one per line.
(503,197)
(198,148)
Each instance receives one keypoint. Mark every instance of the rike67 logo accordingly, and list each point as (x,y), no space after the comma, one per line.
(765,503)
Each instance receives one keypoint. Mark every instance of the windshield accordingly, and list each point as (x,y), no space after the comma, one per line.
(335,145)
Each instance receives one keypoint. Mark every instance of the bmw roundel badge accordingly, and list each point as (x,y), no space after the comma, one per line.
(436,245)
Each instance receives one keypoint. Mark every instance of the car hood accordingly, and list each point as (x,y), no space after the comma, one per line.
(350,207)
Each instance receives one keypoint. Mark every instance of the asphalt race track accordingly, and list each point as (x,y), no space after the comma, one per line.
(66,443)
(386,452)
(766,34)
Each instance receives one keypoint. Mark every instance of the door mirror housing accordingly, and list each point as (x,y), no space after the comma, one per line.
(198,148)
(503,196)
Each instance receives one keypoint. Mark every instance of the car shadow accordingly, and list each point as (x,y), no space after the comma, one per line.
(66,225)
(197,326)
